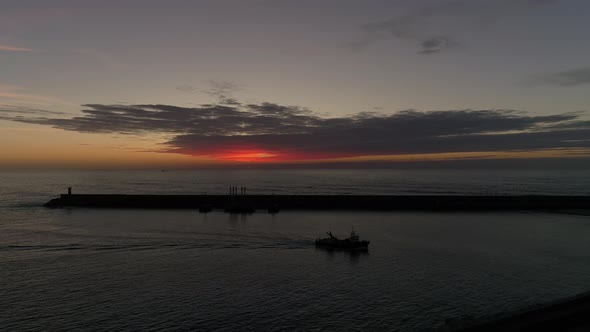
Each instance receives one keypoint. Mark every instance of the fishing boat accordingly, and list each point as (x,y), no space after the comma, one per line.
(352,242)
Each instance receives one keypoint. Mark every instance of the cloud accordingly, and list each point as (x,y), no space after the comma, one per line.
(19,110)
(568,78)
(9,48)
(17,113)
(282,133)
(186,88)
(207,120)
(221,91)
(425,24)
(436,44)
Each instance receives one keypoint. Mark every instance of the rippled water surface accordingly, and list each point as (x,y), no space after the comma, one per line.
(84,269)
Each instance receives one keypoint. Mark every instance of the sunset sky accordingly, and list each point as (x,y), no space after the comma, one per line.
(165,84)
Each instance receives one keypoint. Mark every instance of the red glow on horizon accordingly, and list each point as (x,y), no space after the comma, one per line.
(259,155)
(247,155)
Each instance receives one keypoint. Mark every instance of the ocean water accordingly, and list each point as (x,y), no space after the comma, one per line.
(142,270)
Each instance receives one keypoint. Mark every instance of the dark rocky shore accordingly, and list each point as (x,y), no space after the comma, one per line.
(324,202)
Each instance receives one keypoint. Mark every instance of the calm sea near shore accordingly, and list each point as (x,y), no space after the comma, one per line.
(85,269)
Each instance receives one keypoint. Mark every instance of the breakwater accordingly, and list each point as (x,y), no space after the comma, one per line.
(322,202)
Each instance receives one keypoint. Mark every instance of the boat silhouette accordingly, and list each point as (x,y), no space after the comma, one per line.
(352,242)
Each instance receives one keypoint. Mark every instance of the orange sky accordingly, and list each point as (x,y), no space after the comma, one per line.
(32,146)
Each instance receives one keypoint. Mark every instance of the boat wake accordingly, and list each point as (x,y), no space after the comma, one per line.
(284,245)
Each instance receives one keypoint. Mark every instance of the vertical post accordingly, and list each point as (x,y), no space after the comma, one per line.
(69,190)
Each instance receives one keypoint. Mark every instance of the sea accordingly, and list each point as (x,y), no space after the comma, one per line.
(86,269)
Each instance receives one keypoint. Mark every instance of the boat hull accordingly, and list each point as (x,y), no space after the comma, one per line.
(342,244)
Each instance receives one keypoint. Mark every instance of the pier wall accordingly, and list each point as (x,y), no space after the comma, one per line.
(324,202)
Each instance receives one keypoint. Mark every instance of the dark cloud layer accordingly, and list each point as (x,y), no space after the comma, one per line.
(426,25)
(566,78)
(10,112)
(292,132)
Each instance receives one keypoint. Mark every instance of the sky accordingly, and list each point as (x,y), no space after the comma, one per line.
(177,84)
